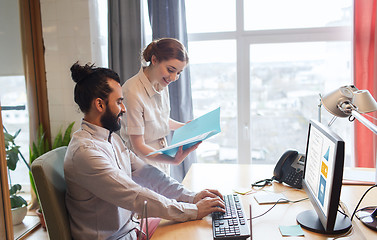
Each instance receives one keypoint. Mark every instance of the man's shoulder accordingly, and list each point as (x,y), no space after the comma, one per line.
(82,136)
(79,140)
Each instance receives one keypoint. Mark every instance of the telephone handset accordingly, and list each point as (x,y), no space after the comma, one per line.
(290,169)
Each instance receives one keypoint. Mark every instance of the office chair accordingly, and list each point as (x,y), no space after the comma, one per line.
(48,174)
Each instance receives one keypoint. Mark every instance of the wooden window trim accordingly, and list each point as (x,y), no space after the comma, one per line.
(6,226)
(34,67)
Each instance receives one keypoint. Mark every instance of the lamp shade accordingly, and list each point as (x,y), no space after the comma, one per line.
(336,98)
(364,101)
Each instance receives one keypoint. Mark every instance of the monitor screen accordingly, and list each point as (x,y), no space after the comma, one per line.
(322,181)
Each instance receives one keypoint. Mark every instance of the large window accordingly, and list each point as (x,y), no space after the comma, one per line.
(265,64)
(12,87)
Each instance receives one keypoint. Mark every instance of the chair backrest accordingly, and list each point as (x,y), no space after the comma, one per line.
(48,174)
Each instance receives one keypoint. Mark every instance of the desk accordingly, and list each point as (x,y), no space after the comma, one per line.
(229,177)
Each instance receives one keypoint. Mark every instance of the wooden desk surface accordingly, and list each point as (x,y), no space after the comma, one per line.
(229,177)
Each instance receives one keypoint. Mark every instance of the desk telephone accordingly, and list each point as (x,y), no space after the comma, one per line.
(290,169)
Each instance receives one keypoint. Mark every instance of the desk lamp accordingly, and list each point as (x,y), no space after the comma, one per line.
(348,101)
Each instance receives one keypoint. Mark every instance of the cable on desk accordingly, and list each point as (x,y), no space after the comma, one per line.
(349,232)
(345,213)
(262,183)
(357,206)
(342,212)
(280,199)
(344,208)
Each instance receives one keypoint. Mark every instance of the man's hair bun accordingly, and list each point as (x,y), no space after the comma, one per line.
(79,73)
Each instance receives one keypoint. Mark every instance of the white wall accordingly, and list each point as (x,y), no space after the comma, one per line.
(67,33)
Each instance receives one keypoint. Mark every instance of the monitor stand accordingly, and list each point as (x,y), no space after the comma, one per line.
(310,221)
(368,216)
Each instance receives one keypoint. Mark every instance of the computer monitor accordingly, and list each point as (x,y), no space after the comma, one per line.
(322,181)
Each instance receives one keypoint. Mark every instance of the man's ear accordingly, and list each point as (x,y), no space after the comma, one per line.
(99,104)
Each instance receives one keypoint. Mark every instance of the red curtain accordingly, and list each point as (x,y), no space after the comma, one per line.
(365,76)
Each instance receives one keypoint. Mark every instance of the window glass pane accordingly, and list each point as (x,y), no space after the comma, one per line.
(277,14)
(214,84)
(13,91)
(102,21)
(286,80)
(146,24)
(210,16)
(15,116)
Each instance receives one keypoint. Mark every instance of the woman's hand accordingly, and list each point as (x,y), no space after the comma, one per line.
(182,154)
(142,149)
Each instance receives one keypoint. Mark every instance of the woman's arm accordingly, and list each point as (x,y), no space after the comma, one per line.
(142,149)
(174,125)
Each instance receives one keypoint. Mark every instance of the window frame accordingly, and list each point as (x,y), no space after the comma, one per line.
(6,226)
(245,38)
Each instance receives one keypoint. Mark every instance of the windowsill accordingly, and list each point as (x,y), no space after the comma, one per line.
(28,225)
(364,176)
(31,221)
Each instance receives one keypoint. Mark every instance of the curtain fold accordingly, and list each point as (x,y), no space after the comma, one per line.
(365,76)
(125,37)
(168,19)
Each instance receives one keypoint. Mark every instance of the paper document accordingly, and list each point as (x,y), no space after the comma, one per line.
(193,132)
(270,198)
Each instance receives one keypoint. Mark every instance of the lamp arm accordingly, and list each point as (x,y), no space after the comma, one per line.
(364,121)
(320,109)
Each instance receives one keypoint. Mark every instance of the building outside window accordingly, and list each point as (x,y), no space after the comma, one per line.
(265,64)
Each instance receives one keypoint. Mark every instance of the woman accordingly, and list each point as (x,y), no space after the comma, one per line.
(147,102)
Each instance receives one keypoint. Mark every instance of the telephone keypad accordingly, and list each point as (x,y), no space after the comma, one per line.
(294,178)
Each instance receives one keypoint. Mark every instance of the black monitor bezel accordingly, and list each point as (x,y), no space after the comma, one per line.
(327,219)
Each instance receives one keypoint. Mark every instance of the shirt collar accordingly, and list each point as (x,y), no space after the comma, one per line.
(151,91)
(96,131)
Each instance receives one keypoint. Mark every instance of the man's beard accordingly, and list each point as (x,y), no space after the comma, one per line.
(109,121)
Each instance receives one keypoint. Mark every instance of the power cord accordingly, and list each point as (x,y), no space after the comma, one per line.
(362,197)
(263,183)
(342,212)
(350,231)
(345,213)
(280,199)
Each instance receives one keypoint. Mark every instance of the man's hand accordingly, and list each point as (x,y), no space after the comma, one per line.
(212,193)
(208,205)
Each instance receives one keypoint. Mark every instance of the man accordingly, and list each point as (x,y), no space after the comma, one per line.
(106,183)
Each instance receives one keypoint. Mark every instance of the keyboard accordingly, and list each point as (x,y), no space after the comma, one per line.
(233,223)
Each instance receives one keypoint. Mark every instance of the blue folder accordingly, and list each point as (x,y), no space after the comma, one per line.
(193,132)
